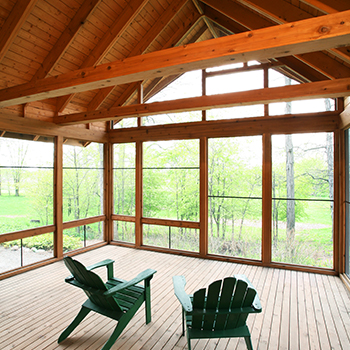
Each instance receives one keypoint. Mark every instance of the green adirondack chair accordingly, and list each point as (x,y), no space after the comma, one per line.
(220,312)
(116,299)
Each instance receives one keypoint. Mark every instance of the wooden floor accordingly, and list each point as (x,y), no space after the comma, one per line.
(300,310)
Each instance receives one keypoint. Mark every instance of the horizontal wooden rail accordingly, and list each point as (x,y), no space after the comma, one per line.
(279,124)
(155,221)
(168,222)
(127,218)
(7,237)
(81,222)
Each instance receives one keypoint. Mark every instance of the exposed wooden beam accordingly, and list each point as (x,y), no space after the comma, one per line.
(309,35)
(66,38)
(161,82)
(30,126)
(277,14)
(284,124)
(300,65)
(321,89)
(13,23)
(131,10)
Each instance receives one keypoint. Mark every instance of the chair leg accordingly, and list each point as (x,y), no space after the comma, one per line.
(188,340)
(81,315)
(148,301)
(248,342)
(183,322)
(116,333)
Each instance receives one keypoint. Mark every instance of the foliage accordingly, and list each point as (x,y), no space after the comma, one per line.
(82,181)
(44,242)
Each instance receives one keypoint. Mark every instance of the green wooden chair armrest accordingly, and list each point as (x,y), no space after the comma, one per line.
(142,276)
(108,263)
(100,264)
(256,302)
(179,283)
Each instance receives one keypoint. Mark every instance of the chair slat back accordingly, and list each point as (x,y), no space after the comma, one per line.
(248,301)
(222,297)
(91,281)
(211,304)
(198,303)
(237,302)
(225,302)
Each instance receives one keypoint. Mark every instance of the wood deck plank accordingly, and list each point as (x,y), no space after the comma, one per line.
(300,310)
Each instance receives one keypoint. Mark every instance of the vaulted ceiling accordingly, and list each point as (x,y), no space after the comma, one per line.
(40,39)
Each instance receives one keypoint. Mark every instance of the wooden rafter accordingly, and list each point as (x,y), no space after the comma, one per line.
(175,40)
(14,22)
(273,12)
(107,41)
(320,62)
(221,13)
(320,6)
(141,47)
(309,35)
(321,89)
(66,38)
(223,20)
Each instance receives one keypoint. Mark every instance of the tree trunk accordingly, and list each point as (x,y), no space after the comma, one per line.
(290,184)
(290,192)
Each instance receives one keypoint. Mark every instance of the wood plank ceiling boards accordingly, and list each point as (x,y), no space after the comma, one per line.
(62,59)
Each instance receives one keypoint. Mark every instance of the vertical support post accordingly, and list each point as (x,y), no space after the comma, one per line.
(140,101)
(344,198)
(58,197)
(204,92)
(338,232)
(22,260)
(266,85)
(203,195)
(138,195)
(84,231)
(108,191)
(266,199)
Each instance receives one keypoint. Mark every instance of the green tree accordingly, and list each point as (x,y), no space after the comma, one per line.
(82,188)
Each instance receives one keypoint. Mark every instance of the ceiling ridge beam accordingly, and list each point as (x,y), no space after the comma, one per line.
(309,35)
(321,89)
(13,24)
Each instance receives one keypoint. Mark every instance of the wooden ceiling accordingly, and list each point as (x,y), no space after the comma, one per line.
(85,45)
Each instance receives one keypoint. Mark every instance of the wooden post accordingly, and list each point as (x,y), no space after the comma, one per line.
(203,195)
(108,192)
(266,85)
(204,92)
(138,195)
(266,200)
(58,197)
(140,100)
(338,242)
